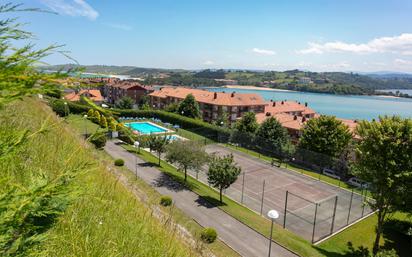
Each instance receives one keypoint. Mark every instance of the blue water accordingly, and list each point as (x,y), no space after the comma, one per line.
(145,127)
(349,107)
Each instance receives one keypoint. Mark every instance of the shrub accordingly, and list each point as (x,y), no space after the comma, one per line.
(166,200)
(98,139)
(119,162)
(208,235)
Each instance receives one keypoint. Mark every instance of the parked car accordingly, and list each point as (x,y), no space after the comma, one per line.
(354,181)
(330,173)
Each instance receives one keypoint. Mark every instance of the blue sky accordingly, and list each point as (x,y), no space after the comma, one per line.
(318,35)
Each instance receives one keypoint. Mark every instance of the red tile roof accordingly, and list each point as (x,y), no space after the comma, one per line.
(287,107)
(94,95)
(214,98)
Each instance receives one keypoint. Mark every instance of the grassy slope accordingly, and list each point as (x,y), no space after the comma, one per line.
(105,219)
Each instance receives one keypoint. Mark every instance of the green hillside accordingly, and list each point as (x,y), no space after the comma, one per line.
(59,199)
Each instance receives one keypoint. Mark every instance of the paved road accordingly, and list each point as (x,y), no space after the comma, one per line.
(243,239)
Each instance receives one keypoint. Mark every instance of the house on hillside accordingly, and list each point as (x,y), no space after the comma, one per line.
(92,94)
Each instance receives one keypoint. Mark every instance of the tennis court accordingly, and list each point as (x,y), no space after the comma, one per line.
(314,209)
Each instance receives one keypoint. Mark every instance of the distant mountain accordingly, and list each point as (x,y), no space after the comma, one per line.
(323,82)
(132,71)
(389,75)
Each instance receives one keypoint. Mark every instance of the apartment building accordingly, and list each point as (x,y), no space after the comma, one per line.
(114,91)
(211,103)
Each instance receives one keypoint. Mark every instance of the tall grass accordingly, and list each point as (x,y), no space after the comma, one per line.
(94,215)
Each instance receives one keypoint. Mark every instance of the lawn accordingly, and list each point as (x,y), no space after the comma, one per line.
(363,234)
(81,124)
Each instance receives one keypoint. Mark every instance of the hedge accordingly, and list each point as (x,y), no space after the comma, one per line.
(198,126)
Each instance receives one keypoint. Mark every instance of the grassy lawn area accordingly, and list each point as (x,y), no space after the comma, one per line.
(243,214)
(81,124)
(363,234)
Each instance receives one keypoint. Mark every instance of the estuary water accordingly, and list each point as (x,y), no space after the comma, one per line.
(345,106)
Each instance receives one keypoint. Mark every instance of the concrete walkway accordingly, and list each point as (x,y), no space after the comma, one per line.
(240,237)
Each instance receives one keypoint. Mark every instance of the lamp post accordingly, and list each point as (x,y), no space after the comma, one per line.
(136,145)
(65,109)
(272,214)
(85,126)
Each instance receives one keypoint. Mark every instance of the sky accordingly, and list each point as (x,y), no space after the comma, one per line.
(315,35)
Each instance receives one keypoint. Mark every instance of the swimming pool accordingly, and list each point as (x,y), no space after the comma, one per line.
(146,127)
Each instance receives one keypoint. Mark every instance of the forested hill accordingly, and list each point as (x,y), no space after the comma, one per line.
(322,82)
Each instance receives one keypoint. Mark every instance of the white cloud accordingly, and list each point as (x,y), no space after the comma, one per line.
(402,62)
(208,62)
(263,51)
(119,26)
(72,8)
(401,44)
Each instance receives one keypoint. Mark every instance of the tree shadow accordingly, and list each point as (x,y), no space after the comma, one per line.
(209,202)
(350,252)
(165,180)
(147,164)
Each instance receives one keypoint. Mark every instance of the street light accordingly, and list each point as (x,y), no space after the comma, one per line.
(272,214)
(136,144)
(85,125)
(65,108)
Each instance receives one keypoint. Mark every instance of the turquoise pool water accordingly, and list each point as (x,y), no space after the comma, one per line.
(145,127)
(348,106)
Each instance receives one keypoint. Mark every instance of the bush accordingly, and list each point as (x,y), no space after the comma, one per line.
(98,139)
(166,200)
(208,235)
(119,162)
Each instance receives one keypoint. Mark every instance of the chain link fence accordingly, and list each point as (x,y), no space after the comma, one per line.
(263,186)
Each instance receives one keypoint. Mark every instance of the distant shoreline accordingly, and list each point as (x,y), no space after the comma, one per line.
(257,88)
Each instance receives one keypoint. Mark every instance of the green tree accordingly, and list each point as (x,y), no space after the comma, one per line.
(222,173)
(189,107)
(325,135)
(173,107)
(222,119)
(96,117)
(158,144)
(272,134)
(247,123)
(187,154)
(144,102)
(383,158)
(103,122)
(125,103)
